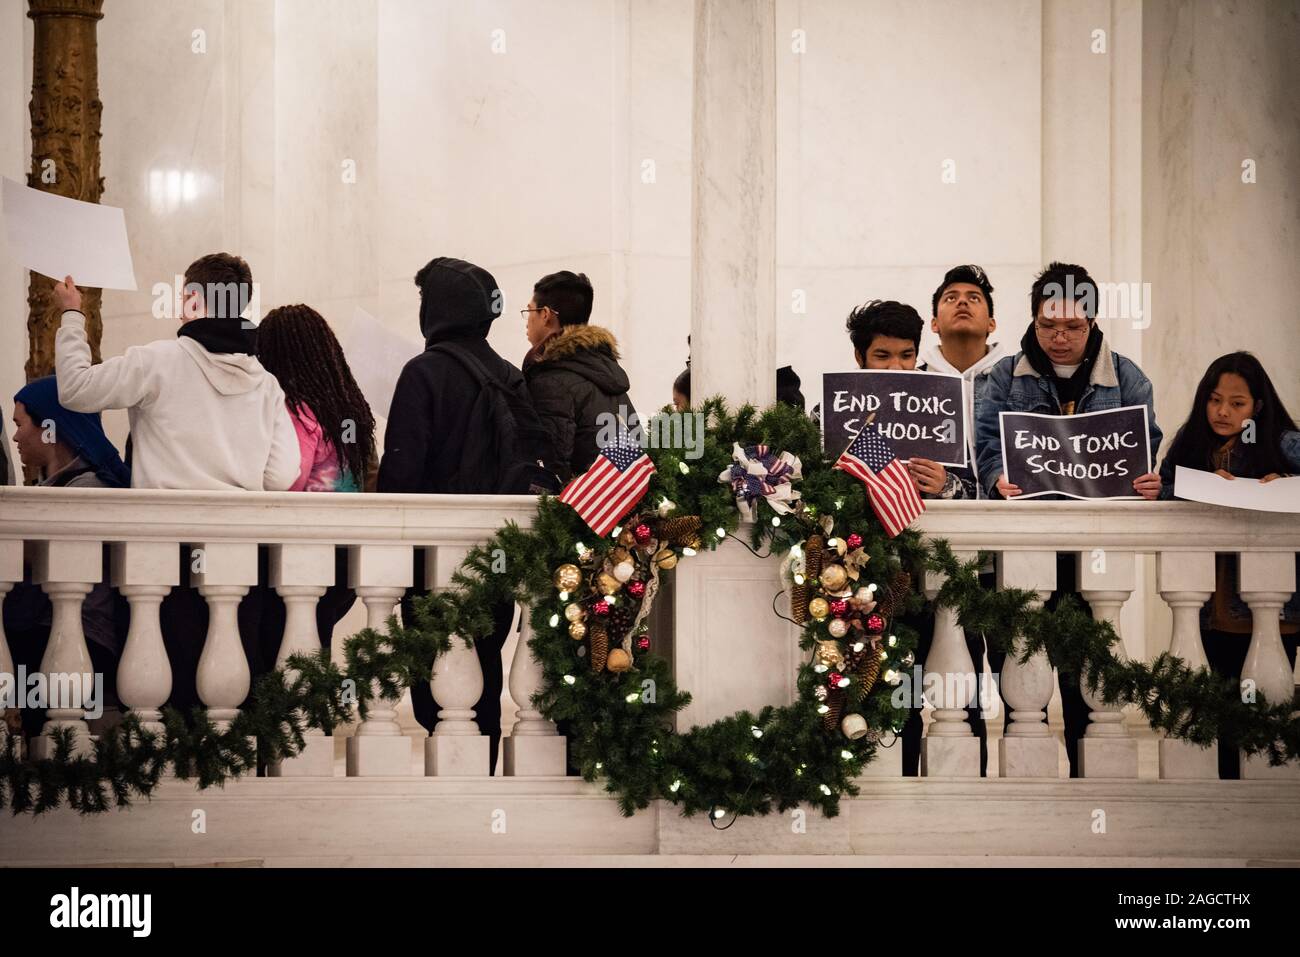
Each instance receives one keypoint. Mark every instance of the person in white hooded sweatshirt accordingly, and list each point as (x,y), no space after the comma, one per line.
(962,311)
(204,413)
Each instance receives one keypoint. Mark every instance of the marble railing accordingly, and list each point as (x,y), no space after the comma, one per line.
(62,534)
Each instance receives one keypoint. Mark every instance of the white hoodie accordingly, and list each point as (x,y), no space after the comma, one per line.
(199,420)
(934,361)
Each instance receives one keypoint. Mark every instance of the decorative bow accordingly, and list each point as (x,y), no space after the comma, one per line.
(758,473)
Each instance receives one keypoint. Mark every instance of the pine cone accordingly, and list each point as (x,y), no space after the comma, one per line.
(683,530)
(869,672)
(812,550)
(799,595)
(599,639)
(896,595)
(834,701)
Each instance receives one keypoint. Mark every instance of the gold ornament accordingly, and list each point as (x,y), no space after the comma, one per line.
(575,612)
(568,577)
(618,660)
(626,538)
(838,627)
(665,558)
(577,630)
(618,555)
(819,608)
(607,584)
(829,654)
(834,577)
(623,571)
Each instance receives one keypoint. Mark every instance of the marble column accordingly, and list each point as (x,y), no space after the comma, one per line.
(1185,581)
(1029,749)
(950,746)
(733,229)
(1106,579)
(534,747)
(456,748)
(1267,582)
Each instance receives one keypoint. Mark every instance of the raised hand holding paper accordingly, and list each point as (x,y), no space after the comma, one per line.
(56,236)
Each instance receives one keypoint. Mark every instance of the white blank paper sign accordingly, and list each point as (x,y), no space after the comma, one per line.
(376,355)
(56,237)
(1279,495)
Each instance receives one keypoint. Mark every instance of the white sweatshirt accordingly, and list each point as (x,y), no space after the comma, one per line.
(934,361)
(199,420)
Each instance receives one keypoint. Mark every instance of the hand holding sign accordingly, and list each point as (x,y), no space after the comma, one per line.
(67,295)
(1093,455)
(920,414)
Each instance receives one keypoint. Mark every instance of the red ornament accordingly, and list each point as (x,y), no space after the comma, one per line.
(643,642)
(875,624)
(839,607)
(641,533)
(854,540)
(601,607)
(833,679)
(636,588)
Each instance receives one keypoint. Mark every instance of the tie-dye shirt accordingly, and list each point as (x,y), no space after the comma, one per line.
(320,470)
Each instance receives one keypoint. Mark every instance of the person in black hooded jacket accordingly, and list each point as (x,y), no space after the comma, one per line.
(577,385)
(433,432)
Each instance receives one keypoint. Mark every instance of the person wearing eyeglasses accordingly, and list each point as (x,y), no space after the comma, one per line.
(1064,367)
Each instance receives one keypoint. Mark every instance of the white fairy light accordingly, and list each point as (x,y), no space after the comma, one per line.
(569,679)
(555,620)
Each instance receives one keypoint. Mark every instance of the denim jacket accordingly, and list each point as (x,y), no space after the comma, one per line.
(1013,385)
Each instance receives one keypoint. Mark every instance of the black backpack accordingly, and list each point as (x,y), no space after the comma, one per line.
(517,444)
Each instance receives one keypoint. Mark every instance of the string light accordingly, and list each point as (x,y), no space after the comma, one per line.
(825,790)
(632,697)
(758,732)
(688,551)
(822,709)
(555,620)
(846,755)
(684,467)
(609,599)
(564,596)
(675,786)
(618,530)
(599,765)
(581,548)
(569,679)
(892,641)
(722,532)
(776,519)
(719,813)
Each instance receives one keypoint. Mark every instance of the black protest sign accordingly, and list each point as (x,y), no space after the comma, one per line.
(919,414)
(1090,455)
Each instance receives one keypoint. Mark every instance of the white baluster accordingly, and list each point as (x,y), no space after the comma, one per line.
(950,747)
(301,574)
(67,570)
(1106,579)
(225,572)
(11,572)
(534,747)
(456,748)
(1186,581)
(380,575)
(144,572)
(1029,749)
(1267,582)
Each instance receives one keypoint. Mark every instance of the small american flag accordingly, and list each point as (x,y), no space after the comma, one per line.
(890,487)
(612,486)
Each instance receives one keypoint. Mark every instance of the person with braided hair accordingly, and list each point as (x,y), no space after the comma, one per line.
(335,427)
(336,436)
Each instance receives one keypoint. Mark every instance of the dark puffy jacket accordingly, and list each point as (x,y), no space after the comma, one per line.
(428,434)
(575,379)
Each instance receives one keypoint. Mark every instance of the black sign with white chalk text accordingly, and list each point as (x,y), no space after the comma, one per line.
(918,413)
(1090,455)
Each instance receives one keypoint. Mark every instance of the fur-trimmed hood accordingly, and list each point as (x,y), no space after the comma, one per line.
(590,351)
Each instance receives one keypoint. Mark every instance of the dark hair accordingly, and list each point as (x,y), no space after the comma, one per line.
(297,346)
(569,294)
(1195,441)
(970,274)
(225,281)
(888,318)
(1056,282)
(682,383)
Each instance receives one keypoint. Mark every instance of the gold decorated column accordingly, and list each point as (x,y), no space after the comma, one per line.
(65,111)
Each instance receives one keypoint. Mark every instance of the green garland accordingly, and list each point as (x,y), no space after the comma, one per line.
(744,764)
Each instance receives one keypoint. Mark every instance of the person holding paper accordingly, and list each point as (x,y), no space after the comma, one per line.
(1238,429)
(887,335)
(204,413)
(1064,367)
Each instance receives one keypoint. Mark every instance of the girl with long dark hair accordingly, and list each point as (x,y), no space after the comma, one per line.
(1239,429)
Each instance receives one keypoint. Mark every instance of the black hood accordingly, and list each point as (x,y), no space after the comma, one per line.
(457,300)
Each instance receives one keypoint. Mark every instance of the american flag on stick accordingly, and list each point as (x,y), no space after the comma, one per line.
(890,488)
(612,486)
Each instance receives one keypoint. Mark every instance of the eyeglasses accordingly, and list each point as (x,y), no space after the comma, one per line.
(525,311)
(1068,333)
